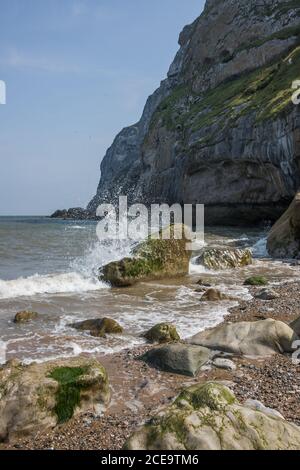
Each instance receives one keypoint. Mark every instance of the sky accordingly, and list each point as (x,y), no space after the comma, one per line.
(76,73)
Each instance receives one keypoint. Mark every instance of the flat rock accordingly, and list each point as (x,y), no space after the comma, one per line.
(260,338)
(222,363)
(267,294)
(209,417)
(178,358)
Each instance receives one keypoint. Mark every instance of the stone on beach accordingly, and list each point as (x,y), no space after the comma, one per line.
(295,325)
(223,363)
(256,281)
(260,338)
(267,294)
(224,258)
(162,333)
(152,259)
(214,295)
(25,316)
(209,417)
(99,327)
(178,358)
(40,396)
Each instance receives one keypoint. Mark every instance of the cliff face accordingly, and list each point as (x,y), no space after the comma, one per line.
(221,130)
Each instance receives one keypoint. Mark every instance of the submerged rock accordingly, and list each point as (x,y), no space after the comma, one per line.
(256,281)
(99,327)
(162,333)
(39,396)
(182,359)
(260,338)
(214,295)
(267,294)
(224,258)
(152,259)
(284,237)
(209,417)
(25,316)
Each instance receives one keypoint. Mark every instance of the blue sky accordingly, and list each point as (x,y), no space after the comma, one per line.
(76,71)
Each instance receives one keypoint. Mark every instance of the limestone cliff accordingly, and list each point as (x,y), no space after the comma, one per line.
(221,130)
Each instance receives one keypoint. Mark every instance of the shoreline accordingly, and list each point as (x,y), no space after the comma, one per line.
(139,391)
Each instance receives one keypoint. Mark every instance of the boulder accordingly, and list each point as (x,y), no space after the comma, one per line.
(152,259)
(260,338)
(209,417)
(25,316)
(162,333)
(98,327)
(204,282)
(267,294)
(295,325)
(222,363)
(224,258)
(214,295)
(284,237)
(256,281)
(39,396)
(178,358)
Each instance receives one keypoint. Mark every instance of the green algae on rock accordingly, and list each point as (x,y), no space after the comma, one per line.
(256,281)
(155,258)
(25,316)
(162,333)
(209,417)
(40,396)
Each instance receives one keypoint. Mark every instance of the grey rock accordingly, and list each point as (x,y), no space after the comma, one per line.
(224,258)
(178,358)
(267,294)
(295,325)
(222,363)
(260,338)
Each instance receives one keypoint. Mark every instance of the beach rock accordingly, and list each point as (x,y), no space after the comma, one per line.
(295,325)
(214,295)
(284,237)
(25,316)
(256,281)
(162,333)
(40,396)
(260,338)
(222,363)
(209,417)
(267,294)
(178,358)
(152,259)
(204,282)
(99,327)
(224,258)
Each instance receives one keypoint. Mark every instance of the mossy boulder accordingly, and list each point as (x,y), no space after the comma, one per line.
(152,259)
(209,417)
(184,359)
(284,237)
(214,295)
(162,333)
(218,258)
(256,281)
(40,396)
(259,338)
(99,327)
(25,316)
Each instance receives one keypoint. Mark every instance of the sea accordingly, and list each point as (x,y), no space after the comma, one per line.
(52,267)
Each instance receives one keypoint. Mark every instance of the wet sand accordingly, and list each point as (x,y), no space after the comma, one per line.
(139,391)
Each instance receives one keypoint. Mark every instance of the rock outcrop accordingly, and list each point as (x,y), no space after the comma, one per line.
(221,129)
(209,417)
(155,258)
(260,338)
(218,258)
(39,396)
(284,238)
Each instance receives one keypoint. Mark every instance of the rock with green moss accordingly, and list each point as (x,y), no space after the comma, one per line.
(260,338)
(25,316)
(152,259)
(256,281)
(184,359)
(162,333)
(209,417)
(40,396)
(284,237)
(99,327)
(224,258)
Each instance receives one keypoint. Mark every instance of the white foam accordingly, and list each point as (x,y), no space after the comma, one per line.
(3,347)
(259,249)
(49,284)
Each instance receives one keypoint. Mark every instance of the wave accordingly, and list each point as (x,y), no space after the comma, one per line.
(49,284)
(259,249)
